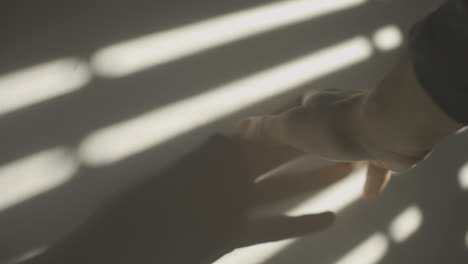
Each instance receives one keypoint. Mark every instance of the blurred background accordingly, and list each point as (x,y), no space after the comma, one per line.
(97,95)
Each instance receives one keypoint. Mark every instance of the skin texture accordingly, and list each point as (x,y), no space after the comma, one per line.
(391,127)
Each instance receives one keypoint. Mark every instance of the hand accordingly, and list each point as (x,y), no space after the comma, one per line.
(393,126)
(323,123)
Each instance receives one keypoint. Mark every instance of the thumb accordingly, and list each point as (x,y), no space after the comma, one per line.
(376,180)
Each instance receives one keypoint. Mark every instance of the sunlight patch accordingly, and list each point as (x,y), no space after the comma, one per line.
(124,139)
(406,224)
(463,177)
(370,251)
(148,51)
(334,198)
(41,82)
(350,188)
(35,174)
(388,38)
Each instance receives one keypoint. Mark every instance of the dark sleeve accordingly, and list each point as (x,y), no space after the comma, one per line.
(439,48)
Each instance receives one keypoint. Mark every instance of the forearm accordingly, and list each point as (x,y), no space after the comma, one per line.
(400,109)
(423,98)
(438,46)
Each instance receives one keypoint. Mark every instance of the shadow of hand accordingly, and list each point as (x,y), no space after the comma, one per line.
(196,210)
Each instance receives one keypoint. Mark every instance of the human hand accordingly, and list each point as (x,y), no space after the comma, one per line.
(392,127)
(323,123)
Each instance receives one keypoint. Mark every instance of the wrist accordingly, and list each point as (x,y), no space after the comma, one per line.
(401,120)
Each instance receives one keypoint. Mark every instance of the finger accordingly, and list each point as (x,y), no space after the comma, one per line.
(264,157)
(243,124)
(283,227)
(399,163)
(276,130)
(285,186)
(376,180)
